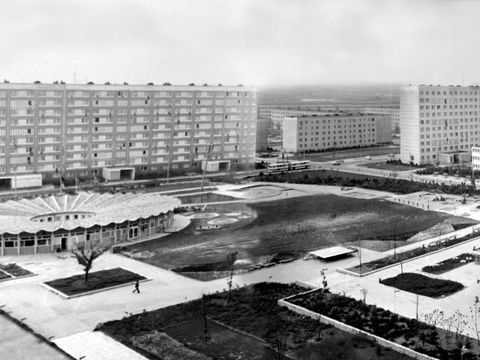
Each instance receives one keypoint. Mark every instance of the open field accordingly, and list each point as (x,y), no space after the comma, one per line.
(289,227)
(252,310)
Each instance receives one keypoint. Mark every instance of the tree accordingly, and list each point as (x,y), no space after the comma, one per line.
(231,258)
(87,252)
(364,293)
(474,314)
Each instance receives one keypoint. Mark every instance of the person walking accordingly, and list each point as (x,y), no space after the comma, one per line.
(137,287)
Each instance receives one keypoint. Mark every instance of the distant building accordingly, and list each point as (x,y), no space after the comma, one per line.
(72,130)
(439,124)
(392,110)
(476,158)
(335,131)
(278,113)
(262,134)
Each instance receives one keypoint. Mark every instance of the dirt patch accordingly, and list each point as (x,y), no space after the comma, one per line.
(294,226)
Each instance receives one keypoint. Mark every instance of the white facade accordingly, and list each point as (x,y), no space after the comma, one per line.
(476,158)
(437,120)
(76,130)
(313,133)
(393,111)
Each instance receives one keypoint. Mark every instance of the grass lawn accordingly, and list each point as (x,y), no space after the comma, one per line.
(14,270)
(423,285)
(76,284)
(252,309)
(291,227)
(449,264)
(386,166)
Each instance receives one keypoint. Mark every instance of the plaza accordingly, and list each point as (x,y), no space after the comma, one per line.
(69,323)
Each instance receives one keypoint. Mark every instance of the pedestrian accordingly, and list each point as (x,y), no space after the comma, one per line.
(137,287)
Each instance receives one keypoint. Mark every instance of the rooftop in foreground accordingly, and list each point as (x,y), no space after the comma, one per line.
(82,210)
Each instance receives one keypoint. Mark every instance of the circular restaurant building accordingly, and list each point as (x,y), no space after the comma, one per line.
(59,222)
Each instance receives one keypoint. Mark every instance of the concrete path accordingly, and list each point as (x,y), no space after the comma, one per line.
(95,345)
(19,344)
(405,303)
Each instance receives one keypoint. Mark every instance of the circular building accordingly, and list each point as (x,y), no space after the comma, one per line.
(59,222)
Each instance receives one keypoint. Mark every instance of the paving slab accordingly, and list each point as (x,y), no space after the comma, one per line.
(19,344)
(95,345)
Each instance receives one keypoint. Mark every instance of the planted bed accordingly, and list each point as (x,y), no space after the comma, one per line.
(97,280)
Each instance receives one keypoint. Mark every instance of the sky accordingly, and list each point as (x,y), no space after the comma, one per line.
(252,42)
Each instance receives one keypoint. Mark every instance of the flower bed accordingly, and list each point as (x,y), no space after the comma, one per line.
(253,316)
(14,270)
(449,264)
(4,275)
(410,333)
(423,285)
(97,280)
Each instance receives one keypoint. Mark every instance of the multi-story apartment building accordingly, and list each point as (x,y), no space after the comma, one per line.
(278,113)
(335,131)
(76,130)
(262,134)
(392,110)
(439,124)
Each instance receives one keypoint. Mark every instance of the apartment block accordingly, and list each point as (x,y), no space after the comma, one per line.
(77,130)
(392,110)
(439,124)
(335,131)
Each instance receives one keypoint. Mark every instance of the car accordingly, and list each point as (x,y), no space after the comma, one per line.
(391,155)
(335,162)
(368,157)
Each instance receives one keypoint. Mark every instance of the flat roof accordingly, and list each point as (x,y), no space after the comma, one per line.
(331,252)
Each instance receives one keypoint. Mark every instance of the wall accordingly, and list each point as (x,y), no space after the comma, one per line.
(290,134)
(409,124)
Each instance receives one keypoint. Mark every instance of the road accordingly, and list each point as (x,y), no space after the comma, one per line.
(354,165)
(345,154)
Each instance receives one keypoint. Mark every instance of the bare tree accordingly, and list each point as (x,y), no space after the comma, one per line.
(448,323)
(433,318)
(364,293)
(474,314)
(459,323)
(231,258)
(86,253)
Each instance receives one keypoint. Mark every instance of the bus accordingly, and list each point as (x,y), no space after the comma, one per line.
(277,167)
(284,166)
(299,164)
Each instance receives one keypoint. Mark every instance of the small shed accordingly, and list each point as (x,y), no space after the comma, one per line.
(331,253)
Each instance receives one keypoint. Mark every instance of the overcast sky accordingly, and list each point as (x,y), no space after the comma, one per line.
(260,42)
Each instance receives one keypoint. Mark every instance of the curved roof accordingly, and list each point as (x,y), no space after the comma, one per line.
(16,215)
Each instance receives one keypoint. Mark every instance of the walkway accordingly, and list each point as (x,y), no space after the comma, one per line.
(19,344)
(95,345)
